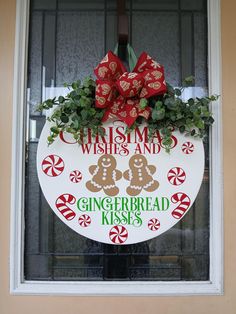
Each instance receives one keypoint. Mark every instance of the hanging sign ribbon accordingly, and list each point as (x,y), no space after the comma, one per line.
(120,92)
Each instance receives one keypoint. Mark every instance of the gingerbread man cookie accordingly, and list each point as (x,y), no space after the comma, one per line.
(140,176)
(104,176)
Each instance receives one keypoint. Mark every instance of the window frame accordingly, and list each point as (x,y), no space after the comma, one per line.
(18,285)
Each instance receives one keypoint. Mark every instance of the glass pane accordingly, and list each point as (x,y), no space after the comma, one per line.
(67,39)
(161,40)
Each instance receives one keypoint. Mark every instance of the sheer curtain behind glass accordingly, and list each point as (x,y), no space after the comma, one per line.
(67,40)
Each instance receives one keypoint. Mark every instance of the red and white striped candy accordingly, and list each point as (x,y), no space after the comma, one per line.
(188,148)
(84,220)
(53,165)
(154,224)
(184,203)
(118,234)
(61,204)
(75,176)
(176,176)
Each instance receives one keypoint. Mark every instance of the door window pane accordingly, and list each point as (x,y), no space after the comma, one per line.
(67,40)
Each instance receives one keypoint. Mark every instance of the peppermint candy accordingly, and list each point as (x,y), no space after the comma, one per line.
(176,176)
(184,203)
(187,148)
(84,220)
(154,224)
(118,234)
(53,165)
(75,176)
(61,205)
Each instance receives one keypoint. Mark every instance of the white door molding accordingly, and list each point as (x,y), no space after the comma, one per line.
(17,283)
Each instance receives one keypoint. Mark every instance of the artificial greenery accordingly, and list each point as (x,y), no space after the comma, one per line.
(76,112)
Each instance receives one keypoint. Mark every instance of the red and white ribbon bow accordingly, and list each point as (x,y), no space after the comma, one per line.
(120,91)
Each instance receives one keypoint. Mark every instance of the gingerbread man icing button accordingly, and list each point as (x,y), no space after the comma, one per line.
(140,176)
(104,176)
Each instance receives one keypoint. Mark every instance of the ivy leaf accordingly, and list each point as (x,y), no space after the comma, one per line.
(178,92)
(172,116)
(87,91)
(170,103)
(55,130)
(64,119)
(50,139)
(143,103)
(179,116)
(158,105)
(75,85)
(205,101)
(84,114)
(158,114)
(211,120)
(191,101)
(61,99)
(189,81)
(75,124)
(200,124)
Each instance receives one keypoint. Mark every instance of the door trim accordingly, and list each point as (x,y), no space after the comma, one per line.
(17,283)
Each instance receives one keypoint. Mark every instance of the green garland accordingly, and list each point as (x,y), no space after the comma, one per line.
(76,113)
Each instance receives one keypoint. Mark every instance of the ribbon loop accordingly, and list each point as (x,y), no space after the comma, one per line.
(130,84)
(120,91)
(110,68)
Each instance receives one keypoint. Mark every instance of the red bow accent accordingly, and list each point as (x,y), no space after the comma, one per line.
(120,92)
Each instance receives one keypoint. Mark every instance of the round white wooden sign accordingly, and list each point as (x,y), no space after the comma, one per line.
(120,188)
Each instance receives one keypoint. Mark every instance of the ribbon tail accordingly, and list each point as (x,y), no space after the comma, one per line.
(129,113)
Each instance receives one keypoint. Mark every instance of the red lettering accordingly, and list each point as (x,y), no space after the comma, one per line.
(62,137)
(120,138)
(86,148)
(141,136)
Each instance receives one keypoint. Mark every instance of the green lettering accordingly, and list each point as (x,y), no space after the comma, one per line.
(156,204)
(137,222)
(165,203)
(82,204)
(105,220)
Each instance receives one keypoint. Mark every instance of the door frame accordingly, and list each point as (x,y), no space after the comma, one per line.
(17,283)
